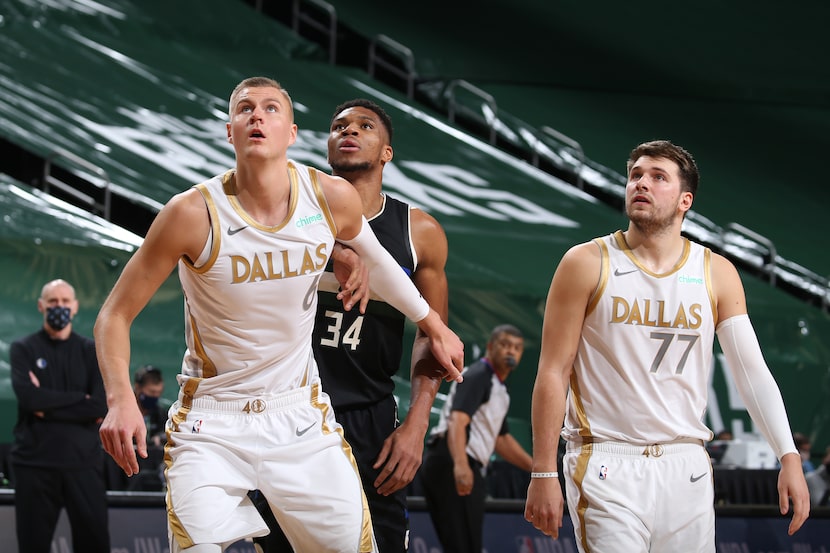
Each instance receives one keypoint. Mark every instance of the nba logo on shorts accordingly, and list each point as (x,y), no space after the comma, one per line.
(197,426)
(524,544)
(603,472)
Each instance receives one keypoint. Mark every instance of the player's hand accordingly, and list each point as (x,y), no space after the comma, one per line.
(545,505)
(464,478)
(400,458)
(446,346)
(793,486)
(352,275)
(122,433)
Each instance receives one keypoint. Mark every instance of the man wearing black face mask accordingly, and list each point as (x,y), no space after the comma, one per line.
(57,458)
(148,385)
(473,424)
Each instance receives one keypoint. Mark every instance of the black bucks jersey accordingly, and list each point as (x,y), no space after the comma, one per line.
(358,354)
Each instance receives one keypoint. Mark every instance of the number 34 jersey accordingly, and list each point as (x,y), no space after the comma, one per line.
(358,354)
(642,369)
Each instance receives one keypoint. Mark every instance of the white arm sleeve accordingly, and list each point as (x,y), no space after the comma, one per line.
(755,383)
(387,278)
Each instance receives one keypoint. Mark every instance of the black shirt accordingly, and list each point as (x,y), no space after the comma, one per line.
(67,435)
(359,354)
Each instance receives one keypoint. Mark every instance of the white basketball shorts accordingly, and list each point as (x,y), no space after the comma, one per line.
(288,446)
(634,498)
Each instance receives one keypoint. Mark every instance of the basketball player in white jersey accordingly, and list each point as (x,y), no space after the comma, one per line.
(251,246)
(626,350)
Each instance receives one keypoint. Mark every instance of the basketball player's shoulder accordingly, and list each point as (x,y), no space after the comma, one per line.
(583,256)
(424,224)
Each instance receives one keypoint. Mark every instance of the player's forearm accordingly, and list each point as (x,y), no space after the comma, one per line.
(457,443)
(422,395)
(547,416)
(112,347)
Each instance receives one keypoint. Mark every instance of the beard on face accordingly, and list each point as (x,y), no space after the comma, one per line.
(341,167)
(651,222)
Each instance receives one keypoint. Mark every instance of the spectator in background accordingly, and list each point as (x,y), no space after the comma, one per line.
(473,423)
(804,446)
(818,482)
(724,436)
(148,383)
(57,459)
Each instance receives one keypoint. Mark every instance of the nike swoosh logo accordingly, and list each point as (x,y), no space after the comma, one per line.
(694,478)
(617,272)
(306,429)
(232,231)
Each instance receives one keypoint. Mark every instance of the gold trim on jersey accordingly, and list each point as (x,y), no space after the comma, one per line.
(604,271)
(176,527)
(707,275)
(366,531)
(579,477)
(584,424)
(293,198)
(208,368)
(321,199)
(626,249)
(215,235)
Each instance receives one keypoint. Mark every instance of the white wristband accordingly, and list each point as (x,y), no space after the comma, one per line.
(544,474)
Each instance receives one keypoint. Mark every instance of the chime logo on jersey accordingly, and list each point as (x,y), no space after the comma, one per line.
(655,313)
(276,265)
(310,220)
(686,279)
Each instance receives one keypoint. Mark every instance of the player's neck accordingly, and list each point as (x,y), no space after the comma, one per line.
(657,251)
(368,184)
(263,190)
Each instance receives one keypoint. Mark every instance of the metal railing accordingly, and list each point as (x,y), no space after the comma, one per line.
(488,102)
(326,28)
(382,43)
(569,142)
(104,206)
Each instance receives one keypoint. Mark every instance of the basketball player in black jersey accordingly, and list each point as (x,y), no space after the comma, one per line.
(359,353)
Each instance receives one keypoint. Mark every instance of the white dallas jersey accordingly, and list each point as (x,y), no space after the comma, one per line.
(251,297)
(641,372)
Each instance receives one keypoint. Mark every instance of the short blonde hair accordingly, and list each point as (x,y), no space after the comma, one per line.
(259,82)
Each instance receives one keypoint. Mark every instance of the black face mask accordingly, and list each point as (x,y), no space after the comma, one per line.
(57,317)
(148,402)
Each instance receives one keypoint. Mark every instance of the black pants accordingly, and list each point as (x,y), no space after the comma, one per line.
(458,520)
(41,493)
(365,430)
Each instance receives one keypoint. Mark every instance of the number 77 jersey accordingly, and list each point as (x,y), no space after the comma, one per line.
(642,368)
